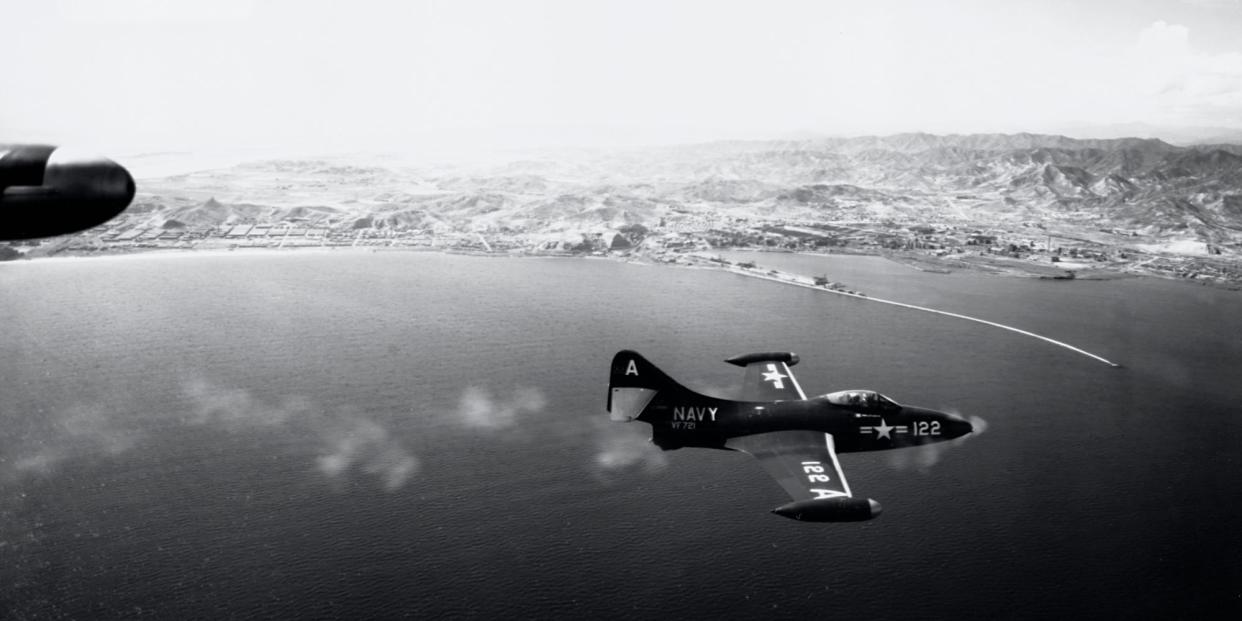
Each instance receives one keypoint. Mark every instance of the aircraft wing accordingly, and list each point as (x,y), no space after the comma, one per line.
(803,462)
(768,377)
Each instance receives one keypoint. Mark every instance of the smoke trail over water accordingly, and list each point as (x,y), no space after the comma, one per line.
(95,428)
(364,444)
(347,443)
(347,440)
(624,448)
(479,409)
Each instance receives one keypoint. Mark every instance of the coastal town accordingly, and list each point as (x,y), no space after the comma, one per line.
(1028,251)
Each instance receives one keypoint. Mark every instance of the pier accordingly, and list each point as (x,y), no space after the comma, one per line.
(799,282)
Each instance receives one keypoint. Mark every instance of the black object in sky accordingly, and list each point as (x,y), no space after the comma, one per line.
(47,191)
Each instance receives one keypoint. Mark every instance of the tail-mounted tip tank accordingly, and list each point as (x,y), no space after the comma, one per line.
(47,191)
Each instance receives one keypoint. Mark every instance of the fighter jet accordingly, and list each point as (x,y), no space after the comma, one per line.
(47,191)
(795,439)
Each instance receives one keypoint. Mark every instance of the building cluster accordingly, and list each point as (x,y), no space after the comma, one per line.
(1201,269)
(677,234)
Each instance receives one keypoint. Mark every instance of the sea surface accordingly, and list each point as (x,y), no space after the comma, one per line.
(397,434)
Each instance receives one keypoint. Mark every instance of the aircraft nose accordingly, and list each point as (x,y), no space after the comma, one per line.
(956,426)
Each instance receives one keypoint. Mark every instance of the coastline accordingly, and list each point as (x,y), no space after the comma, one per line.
(1011,268)
(689,261)
(177,253)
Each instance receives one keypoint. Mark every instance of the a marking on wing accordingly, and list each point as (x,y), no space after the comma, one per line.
(801,395)
(832,452)
(814,473)
(774,376)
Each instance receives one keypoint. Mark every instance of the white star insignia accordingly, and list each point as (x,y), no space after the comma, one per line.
(774,376)
(882,429)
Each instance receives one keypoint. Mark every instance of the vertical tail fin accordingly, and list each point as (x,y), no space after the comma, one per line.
(634,383)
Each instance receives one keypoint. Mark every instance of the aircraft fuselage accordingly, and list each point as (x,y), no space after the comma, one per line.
(855,429)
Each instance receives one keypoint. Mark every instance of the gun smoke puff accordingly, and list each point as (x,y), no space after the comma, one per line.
(42,461)
(82,429)
(920,458)
(350,440)
(620,448)
(236,409)
(617,448)
(478,409)
(363,443)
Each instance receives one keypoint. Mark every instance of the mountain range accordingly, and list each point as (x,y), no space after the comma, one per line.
(1146,186)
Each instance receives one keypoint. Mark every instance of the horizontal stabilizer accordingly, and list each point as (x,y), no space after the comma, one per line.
(625,404)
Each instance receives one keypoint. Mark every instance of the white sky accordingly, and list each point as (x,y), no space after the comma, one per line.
(360,75)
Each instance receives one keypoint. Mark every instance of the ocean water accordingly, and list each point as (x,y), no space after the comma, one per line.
(363,435)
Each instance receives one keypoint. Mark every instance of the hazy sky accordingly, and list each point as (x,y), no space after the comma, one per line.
(364,74)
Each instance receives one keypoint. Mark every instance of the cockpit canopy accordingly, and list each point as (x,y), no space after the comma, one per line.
(862,399)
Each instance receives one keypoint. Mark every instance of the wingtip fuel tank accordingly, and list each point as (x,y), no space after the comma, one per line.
(830,510)
(47,191)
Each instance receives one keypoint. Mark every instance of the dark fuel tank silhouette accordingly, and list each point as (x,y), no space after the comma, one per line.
(47,191)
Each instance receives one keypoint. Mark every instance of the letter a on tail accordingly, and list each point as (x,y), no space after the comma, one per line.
(634,383)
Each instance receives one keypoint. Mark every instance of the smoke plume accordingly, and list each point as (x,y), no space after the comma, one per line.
(478,409)
(366,445)
(81,429)
(347,441)
(624,448)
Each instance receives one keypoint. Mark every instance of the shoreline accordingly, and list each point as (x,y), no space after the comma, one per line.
(174,253)
(921,263)
(694,262)
(1004,268)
